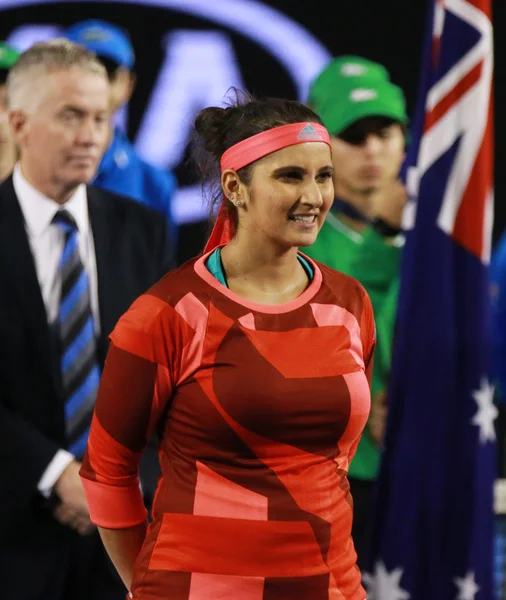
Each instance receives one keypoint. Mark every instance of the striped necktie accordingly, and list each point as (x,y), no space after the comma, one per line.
(78,347)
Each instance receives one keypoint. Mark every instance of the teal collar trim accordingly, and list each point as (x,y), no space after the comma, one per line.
(215,266)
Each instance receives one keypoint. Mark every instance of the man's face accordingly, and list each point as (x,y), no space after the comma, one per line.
(63,136)
(122,85)
(368,155)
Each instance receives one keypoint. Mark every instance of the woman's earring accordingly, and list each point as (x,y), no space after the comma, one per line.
(238,203)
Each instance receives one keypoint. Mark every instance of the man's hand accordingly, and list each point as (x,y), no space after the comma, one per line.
(73,510)
(78,522)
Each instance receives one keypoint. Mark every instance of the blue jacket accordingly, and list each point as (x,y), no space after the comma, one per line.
(122,171)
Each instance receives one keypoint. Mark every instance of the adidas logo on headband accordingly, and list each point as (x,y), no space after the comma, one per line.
(309,133)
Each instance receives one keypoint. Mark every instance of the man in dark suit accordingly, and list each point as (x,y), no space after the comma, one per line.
(72,259)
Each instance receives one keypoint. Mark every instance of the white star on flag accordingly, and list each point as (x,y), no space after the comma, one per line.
(384,585)
(487,411)
(467,586)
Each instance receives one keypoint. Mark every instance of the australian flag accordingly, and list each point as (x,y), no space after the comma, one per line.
(434,522)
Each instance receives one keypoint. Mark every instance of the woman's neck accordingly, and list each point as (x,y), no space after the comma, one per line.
(262,275)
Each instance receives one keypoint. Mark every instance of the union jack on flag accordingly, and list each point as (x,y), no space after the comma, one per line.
(433,536)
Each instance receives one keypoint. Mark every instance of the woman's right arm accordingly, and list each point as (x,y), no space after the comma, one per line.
(123,547)
(134,389)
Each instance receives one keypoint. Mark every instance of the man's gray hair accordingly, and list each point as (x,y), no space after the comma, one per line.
(43,58)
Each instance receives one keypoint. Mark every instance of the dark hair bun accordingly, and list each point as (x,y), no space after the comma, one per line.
(210,127)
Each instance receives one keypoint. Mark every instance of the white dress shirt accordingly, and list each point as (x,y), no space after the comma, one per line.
(46,241)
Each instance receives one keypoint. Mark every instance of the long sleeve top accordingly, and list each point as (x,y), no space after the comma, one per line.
(258,409)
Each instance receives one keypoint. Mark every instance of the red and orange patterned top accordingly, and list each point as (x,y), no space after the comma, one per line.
(258,409)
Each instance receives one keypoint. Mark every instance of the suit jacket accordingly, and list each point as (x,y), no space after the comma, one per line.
(132,251)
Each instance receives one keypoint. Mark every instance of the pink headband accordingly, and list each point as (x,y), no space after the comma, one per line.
(252,149)
(258,146)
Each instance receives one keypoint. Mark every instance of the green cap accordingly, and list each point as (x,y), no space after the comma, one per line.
(8,56)
(346,67)
(345,100)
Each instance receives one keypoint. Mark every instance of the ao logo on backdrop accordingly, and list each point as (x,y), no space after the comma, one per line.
(198,68)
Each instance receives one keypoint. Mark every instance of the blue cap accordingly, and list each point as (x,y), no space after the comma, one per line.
(105,39)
